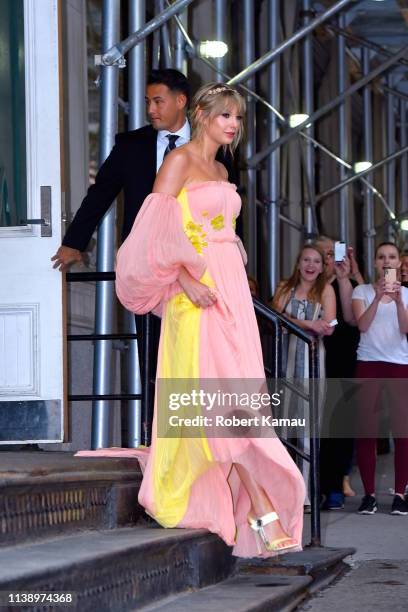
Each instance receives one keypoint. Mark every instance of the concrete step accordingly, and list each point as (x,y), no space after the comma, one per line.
(49,493)
(241,593)
(119,569)
(263,585)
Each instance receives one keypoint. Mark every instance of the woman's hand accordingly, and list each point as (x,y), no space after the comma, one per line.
(320,327)
(354,269)
(380,288)
(198,293)
(342,268)
(395,294)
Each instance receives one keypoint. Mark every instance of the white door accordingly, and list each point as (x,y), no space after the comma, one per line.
(31,312)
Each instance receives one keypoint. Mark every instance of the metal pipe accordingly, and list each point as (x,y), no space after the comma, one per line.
(403,207)
(298,35)
(328,107)
(180,55)
(314,382)
(308,81)
(106,235)
(363,42)
(137,78)
(273,245)
(369,232)
(165,40)
(390,148)
(350,179)
(395,92)
(221,33)
(250,145)
(343,134)
(119,50)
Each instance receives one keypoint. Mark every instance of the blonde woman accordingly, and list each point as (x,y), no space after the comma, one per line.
(184,260)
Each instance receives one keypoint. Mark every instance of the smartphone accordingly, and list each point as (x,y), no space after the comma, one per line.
(339,251)
(390,275)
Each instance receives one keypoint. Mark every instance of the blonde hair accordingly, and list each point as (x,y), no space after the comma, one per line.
(214,99)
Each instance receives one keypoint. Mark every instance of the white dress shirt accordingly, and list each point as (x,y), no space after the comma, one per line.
(163,141)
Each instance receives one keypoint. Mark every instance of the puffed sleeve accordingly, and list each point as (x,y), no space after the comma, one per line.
(149,261)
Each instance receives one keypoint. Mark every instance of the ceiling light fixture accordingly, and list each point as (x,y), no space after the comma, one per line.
(212,48)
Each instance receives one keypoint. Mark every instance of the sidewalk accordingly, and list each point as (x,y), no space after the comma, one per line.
(378,576)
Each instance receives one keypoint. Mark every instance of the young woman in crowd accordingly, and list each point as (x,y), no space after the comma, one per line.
(381,312)
(309,301)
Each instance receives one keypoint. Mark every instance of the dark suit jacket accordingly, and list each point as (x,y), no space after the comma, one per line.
(131,166)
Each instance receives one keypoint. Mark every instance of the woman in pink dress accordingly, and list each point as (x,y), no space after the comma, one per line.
(184,261)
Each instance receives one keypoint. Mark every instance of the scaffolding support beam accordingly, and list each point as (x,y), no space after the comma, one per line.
(250,145)
(350,179)
(403,208)
(343,134)
(308,80)
(390,148)
(368,222)
(137,78)
(116,52)
(273,245)
(328,107)
(221,33)
(106,236)
(298,35)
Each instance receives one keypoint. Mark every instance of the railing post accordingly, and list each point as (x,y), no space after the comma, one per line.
(314,383)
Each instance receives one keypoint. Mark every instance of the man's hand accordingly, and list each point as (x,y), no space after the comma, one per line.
(65,256)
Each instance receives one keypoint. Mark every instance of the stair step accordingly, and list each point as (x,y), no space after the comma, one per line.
(241,593)
(118,569)
(49,493)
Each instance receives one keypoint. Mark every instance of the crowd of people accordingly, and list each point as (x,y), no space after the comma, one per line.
(362,330)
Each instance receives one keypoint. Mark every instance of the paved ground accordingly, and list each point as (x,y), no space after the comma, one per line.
(378,576)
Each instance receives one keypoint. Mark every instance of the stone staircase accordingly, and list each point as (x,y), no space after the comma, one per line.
(74,525)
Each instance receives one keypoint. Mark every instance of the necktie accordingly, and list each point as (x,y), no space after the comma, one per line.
(172,143)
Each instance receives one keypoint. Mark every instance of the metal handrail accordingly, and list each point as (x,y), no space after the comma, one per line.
(280,321)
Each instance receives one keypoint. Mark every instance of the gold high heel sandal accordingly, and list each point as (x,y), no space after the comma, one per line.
(258,524)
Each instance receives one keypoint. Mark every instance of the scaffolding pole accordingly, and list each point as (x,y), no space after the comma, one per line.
(137,78)
(369,231)
(308,80)
(250,145)
(106,235)
(277,51)
(221,33)
(273,245)
(343,133)
(403,207)
(328,107)
(180,55)
(390,148)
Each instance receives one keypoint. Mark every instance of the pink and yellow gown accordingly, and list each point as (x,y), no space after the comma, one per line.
(192,482)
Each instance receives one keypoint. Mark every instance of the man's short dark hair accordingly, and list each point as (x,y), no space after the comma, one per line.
(173,79)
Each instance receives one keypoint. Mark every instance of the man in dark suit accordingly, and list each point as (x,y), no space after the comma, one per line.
(132,164)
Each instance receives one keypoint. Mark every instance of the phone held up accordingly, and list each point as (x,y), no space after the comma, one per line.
(390,275)
(339,251)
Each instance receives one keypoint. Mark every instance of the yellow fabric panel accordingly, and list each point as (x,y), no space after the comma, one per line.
(179,460)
